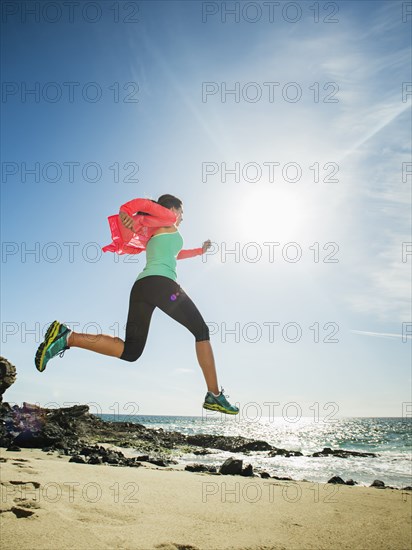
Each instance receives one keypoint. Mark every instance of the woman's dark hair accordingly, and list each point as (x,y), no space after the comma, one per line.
(169,201)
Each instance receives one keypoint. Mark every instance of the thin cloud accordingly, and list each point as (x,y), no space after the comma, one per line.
(384,115)
(382,334)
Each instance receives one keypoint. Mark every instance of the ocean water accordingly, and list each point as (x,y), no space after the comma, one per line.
(389,438)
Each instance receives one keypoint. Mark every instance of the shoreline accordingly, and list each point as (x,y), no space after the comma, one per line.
(62,504)
(74,431)
(183,460)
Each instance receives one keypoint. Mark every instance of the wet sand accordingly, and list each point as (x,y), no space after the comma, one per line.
(49,503)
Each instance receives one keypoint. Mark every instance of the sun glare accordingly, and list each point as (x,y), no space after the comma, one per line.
(274,214)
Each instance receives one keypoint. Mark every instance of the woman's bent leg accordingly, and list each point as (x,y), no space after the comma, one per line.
(138,320)
(173,300)
(100,343)
(206,361)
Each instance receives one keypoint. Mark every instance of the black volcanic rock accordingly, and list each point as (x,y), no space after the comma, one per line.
(100,455)
(350,482)
(339,480)
(13,448)
(200,468)
(77,458)
(284,452)
(227,443)
(336,480)
(7,378)
(201,452)
(341,453)
(379,484)
(231,466)
(7,375)
(248,471)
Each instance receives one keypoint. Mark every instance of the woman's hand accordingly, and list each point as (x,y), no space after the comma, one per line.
(207,244)
(127,220)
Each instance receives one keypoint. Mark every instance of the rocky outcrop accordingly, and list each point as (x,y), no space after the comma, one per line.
(7,375)
(100,455)
(7,378)
(327,451)
(284,452)
(74,427)
(228,443)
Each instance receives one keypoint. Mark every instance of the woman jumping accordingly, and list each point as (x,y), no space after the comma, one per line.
(155,286)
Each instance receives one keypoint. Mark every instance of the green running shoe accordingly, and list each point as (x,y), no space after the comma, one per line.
(54,343)
(219,403)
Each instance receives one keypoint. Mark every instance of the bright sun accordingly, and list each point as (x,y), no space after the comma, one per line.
(263,214)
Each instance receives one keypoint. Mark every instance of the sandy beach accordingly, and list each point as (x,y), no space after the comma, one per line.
(49,503)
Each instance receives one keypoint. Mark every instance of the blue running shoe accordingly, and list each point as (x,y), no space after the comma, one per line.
(54,343)
(219,403)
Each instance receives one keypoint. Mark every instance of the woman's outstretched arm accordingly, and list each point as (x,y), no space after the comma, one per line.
(189,253)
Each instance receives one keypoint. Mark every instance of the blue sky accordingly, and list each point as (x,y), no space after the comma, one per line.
(176,139)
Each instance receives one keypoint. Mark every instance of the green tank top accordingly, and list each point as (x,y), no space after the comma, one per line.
(161,252)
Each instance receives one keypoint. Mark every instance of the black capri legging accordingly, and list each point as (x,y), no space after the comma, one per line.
(158,291)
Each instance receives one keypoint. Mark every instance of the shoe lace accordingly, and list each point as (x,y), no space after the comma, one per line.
(62,352)
(222,390)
